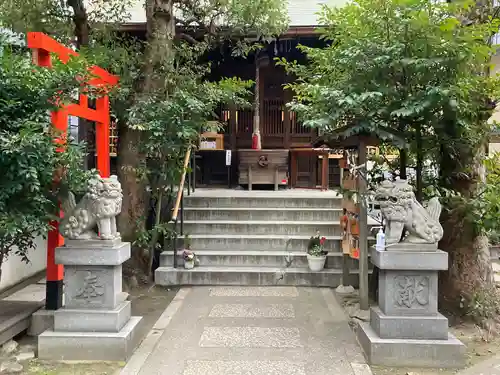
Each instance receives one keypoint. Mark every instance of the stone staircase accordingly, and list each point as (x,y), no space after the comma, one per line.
(257,238)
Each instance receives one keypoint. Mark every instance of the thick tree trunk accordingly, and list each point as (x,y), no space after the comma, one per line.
(158,54)
(470,271)
(80,20)
(132,218)
(82,35)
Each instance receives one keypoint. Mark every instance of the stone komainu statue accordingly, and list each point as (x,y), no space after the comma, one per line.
(403,212)
(99,206)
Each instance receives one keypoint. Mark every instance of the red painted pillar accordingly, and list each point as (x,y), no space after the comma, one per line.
(55,272)
(102,137)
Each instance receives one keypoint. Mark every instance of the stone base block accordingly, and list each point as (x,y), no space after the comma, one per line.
(410,353)
(92,287)
(84,320)
(93,253)
(41,321)
(90,346)
(408,293)
(436,260)
(409,327)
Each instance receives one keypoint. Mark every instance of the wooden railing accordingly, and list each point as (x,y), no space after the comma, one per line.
(179,200)
(180,192)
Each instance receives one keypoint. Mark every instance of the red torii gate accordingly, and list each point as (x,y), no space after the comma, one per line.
(43,46)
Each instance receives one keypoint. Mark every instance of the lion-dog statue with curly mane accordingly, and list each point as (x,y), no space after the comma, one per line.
(99,206)
(404,215)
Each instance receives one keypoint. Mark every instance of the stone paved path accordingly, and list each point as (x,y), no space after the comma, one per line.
(489,367)
(250,331)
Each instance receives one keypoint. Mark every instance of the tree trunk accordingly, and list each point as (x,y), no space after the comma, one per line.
(82,34)
(160,26)
(132,218)
(80,20)
(470,271)
(158,54)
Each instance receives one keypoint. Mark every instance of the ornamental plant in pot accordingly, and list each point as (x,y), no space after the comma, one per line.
(189,257)
(316,254)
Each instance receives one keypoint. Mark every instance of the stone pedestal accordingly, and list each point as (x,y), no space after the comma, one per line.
(406,328)
(96,321)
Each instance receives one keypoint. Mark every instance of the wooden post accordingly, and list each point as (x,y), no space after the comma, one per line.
(346,258)
(276,176)
(293,168)
(363,231)
(324,172)
(256,116)
(249,177)
(232,127)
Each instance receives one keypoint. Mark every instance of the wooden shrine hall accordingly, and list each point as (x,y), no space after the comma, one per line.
(287,156)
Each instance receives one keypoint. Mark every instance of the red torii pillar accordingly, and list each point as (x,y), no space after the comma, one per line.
(43,46)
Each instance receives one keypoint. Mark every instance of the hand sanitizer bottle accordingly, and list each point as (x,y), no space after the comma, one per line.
(380,246)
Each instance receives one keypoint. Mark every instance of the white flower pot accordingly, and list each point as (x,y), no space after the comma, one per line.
(189,264)
(316,263)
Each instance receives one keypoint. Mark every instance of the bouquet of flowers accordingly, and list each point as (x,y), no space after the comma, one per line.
(188,256)
(315,246)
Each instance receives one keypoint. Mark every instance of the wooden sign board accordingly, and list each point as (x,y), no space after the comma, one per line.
(212,141)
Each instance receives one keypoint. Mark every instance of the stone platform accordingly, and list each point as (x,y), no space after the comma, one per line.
(406,328)
(449,353)
(96,322)
(96,346)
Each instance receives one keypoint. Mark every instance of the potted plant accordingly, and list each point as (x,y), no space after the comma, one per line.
(316,254)
(189,259)
(189,256)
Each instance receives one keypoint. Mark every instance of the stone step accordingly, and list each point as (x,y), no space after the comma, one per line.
(236,242)
(257,242)
(325,228)
(251,276)
(252,258)
(262,213)
(277,199)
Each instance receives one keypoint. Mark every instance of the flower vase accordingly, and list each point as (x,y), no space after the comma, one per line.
(189,264)
(316,263)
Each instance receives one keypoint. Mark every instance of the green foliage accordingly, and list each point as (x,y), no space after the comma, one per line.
(235,20)
(55,17)
(486,205)
(401,69)
(29,159)
(484,305)
(173,116)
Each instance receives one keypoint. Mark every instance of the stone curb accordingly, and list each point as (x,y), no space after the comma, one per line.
(142,353)
(339,314)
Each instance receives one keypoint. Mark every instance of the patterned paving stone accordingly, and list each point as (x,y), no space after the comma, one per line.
(243,368)
(250,337)
(254,292)
(251,311)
